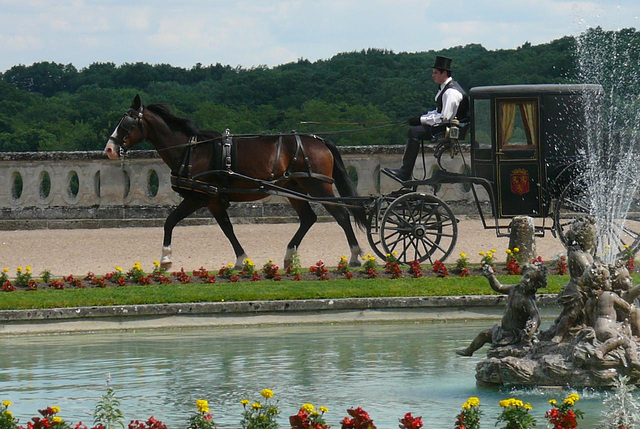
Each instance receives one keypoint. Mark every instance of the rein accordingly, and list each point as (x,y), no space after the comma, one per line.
(354,130)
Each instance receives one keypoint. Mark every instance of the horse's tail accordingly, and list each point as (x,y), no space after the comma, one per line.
(344,184)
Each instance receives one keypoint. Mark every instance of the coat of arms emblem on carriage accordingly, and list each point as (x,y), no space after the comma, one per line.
(519,181)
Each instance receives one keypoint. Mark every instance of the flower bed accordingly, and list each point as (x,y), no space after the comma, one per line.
(370,269)
(263,414)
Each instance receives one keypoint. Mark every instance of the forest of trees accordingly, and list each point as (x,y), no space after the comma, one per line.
(50,106)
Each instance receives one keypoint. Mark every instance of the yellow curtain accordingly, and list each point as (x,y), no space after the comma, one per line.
(506,119)
(528,112)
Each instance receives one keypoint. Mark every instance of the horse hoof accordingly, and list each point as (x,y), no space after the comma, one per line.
(165,265)
(355,264)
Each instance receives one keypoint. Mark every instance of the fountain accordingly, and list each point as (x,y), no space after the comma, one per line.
(596,337)
(611,173)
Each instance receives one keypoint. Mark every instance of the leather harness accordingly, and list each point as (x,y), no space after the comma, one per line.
(225,165)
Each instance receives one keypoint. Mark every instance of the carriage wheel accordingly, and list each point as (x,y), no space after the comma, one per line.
(577,200)
(418,227)
(374,219)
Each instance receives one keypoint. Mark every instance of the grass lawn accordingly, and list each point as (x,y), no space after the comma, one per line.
(262,290)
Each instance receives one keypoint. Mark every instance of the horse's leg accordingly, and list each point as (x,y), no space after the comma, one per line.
(184,209)
(219,211)
(341,215)
(307,219)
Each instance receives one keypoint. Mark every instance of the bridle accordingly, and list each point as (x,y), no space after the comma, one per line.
(129,121)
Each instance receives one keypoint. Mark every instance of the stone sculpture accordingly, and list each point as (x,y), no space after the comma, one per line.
(592,341)
(521,318)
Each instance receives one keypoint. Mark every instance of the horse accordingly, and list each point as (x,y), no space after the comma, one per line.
(301,163)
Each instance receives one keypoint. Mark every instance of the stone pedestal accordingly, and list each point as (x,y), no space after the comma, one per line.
(523,237)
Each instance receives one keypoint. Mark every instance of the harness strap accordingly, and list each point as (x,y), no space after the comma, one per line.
(226,149)
(287,174)
(185,168)
(275,164)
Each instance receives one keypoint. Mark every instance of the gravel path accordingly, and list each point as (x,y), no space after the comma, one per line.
(77,251)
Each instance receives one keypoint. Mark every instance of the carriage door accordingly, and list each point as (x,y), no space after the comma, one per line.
(517,156)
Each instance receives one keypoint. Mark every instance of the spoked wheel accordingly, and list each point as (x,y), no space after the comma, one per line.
(579,199)
(418,227)
(374,219)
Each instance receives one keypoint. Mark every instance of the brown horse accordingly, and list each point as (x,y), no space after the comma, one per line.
(303,164)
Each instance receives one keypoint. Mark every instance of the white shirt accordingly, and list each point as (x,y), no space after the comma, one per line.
(450,101)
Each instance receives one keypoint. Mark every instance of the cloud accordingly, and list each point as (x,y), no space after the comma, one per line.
(272,32)
(20,43)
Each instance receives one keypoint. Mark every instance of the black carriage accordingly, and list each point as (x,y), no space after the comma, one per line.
(526,148)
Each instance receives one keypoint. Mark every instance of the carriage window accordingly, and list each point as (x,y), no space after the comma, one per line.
(517,123)
(482,124)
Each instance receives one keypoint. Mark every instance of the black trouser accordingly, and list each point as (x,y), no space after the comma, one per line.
(423,132)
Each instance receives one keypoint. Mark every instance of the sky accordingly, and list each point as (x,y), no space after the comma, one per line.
(258,32)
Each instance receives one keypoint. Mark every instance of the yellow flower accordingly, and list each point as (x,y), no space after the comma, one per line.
(307,407)
(463,255)
(552,401)
(343,259)
(494,251)
(528,406)
(57,419)
(267,393)
(608,246)
(244,401)
(323,409)
(156,263)
(516,249)
(574,397)
(256,405)
(626,246)
(19,269)
(6,270)
(474,401)
(466,405)
(489,255)
(569,401)
(203,405)
(230,265)
(508,251)
(481,253)
(6,403)
(118,269)
(271,260)
(388,255)
(8,414)
(55,409)
(28,268)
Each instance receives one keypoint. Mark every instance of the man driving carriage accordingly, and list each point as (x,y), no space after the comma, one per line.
(451,101)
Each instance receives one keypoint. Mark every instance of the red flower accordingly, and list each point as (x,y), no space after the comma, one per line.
(410,422)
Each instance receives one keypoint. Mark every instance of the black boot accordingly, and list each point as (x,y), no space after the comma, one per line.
(405,172)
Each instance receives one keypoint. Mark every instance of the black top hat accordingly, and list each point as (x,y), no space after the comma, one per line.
(443,63)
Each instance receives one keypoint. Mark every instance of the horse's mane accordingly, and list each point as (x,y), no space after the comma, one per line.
(176,123)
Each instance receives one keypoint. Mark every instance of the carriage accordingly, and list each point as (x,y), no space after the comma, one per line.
(526,150)
(526,146)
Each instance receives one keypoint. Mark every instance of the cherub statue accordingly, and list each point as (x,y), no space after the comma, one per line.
(622,284)
(603,309)
(581,242)
(521,318)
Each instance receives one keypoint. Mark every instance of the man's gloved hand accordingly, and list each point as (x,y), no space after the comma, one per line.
(414,121)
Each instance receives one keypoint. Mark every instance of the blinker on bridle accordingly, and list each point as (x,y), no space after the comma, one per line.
(129,121)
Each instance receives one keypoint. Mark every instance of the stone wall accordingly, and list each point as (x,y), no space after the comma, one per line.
(84,189)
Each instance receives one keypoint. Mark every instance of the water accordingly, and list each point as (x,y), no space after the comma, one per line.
(388,369)
(611,135)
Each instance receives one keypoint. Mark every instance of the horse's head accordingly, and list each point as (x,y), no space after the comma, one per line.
(129,132)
